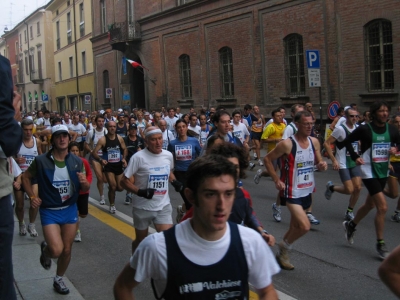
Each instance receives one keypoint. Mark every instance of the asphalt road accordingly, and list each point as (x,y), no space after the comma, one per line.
(326,267)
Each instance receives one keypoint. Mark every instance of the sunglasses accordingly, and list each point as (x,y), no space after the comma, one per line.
(353,116)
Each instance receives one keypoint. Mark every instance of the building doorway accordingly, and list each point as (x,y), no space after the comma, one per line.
(137,90)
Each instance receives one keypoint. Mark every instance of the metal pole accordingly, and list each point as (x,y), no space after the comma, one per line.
(320,109)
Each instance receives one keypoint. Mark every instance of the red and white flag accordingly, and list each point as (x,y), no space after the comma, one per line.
(135,64)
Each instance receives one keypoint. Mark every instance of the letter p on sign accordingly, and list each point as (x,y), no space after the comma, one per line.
(312,57)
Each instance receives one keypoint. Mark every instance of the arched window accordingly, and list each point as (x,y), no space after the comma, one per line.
(184,72)
(226,72)
(106,84)
(379,56)
(294,65)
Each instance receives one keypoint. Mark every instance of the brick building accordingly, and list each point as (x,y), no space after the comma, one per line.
(232,52)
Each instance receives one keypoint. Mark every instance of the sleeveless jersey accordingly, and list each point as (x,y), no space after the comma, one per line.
(112,151)
(204,135)
(95,139)
(297,171)
(226,279)
(255,127)
(376,158)
(342,155)
(28,153)
(121,131)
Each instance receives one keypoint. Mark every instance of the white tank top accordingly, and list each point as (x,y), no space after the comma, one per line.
(28,153)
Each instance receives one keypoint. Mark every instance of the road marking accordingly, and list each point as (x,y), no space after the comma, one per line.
(100,212)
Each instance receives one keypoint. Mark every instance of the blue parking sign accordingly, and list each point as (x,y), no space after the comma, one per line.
(312,57)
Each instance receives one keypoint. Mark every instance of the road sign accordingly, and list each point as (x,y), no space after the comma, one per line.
(333,109)
(312,57)
(314,78)
(108,92)
(126,96)
(88,98)
(45,98)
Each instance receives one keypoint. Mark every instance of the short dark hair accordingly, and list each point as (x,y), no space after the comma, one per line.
(182,120)
(208,166)
(56,120)
(46,112)
(191,116)
(235,112)
(219,114)
(72,144)
(353,104)
(275,111)
(99,117)
(247,107)
(300,114)
(375,107)
(229,150)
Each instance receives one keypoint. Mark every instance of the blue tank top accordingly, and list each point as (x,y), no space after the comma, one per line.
(187,280)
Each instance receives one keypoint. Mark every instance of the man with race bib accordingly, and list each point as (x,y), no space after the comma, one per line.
(30,148)
(378,139)
(147,177)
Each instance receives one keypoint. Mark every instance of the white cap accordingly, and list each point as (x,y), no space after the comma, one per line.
(102,111)
(29,117)
(57,129)
(120,110)
(346,108)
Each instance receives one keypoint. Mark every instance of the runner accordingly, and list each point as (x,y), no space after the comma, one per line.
(30,148)
(240,131)
(299,155)
(167,135)
(193,126)
(122,128)
(256,132)
(185,150)
(392,189)
(133,143)
(349,172)
(147,177)
(80,130)
(60,178)
(83,199)
(113,160)
(202,249)
(91,142)
(171,120)
(205,129)
(377,140)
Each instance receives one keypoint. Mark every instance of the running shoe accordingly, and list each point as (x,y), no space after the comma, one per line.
(260,162)
(179,213)
(112,209)
(60,286)
(255,156)
(282,257)
(395,217)
(128,199)
(78,237)
(349,232)
(44,261)
(22,229)
(32,230)
(102,201)
(349,216)
(252,165)
(312,219)
(328,192)
(382,250)
(257,177)
(276,212)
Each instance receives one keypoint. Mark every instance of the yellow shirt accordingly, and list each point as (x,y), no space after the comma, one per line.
(273,131)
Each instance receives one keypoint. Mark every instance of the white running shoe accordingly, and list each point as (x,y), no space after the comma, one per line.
(32,230)
(102,201)
(112,209)
(260,162)
(78,237)
(257,177)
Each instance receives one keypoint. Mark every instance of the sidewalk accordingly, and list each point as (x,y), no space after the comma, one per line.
(32,282)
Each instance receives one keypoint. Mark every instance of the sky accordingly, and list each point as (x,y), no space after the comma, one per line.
(14,11)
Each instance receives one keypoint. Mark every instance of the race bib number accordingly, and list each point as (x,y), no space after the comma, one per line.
(114,156)
(305,177)
(237,134)
(100,152)
(159,183)
(355,148)
(380,152)
(63,187)
(165,144)
(28,160)
(183,152)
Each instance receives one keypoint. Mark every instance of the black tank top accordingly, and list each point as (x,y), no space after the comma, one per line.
(226,279)
(121,131)
(112,151)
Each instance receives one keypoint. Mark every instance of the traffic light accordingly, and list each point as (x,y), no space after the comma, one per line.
(36,96)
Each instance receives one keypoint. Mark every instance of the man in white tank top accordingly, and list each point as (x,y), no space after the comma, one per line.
(92,138)
(299,155)
(30,148)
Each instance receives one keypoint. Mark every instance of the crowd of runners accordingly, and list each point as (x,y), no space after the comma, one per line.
(142,153)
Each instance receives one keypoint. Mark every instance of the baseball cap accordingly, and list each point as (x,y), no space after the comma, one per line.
(346,108)
(102,111)
(120,110)
(58,129)
(132,126)
(147,113)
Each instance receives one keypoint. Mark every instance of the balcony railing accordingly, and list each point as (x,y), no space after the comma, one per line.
(124,31)
(36,76)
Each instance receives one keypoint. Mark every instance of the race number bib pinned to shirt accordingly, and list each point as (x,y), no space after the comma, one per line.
(113,156)
(183,152)
(28,160)
(380,152)
(355,148)
(305,176)
(159,183)
(63,187)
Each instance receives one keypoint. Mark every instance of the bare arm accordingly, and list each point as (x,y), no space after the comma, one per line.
(125,284)
(320,163)
(267,293)
(389,271)
(327,144)
(26,183)
(39,145)
(129,184)
(123,147)
(100,144)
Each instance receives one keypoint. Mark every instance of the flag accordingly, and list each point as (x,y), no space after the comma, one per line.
(135,64)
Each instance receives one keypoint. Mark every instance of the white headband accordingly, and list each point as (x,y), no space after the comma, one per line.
(153,131)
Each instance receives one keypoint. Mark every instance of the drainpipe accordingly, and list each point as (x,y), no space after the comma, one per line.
(76,55)
(29,58)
